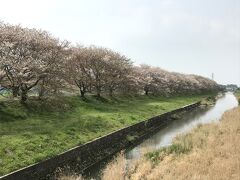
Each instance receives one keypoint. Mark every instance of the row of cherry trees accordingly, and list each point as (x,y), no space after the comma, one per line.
(34,60)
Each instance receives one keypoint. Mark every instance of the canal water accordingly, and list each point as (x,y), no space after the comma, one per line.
(165,136)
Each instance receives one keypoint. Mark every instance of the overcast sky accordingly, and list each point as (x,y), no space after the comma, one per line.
(187,36)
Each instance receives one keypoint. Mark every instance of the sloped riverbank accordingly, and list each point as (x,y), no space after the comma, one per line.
(81,157)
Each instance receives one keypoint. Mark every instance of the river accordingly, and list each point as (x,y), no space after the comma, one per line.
(165,136)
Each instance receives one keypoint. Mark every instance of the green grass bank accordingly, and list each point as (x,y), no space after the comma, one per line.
(41,129)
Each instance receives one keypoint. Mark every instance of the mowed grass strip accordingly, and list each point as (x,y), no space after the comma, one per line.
(41,129)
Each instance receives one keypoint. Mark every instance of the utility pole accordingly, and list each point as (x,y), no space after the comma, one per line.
(212,76)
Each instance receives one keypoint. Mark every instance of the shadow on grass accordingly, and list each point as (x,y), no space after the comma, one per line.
(86,99)
(101,99)
(7,115)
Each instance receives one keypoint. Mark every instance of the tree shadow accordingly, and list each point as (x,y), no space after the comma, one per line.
(101,98)
(6,116)
(85,99)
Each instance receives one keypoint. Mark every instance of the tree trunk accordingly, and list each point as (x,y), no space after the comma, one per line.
(111,92)
(146,89)
(82,93)
(23,93)
(15,91)
(146,92)
(41,90)
(98,94)
(23,96)
(40,94)
(98,89)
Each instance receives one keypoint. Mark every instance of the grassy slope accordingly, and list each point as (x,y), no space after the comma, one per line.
(39,130)
(209,151)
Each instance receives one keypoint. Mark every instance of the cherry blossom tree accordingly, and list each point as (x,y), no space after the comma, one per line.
(34,59)
(78,69)
(98,69)
(27,57)
(117,69)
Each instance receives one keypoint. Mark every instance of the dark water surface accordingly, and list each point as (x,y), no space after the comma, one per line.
(165,136)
